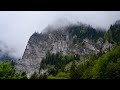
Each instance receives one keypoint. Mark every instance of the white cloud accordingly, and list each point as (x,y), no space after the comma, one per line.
(17,26)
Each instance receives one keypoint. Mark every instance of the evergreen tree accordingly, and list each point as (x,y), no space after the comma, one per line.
(34,76)
(73,71)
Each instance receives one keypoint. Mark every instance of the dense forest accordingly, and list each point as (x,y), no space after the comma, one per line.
(7,71)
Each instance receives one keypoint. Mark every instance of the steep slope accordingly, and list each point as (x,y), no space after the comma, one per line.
(113,34)
(73,39)
(108,65)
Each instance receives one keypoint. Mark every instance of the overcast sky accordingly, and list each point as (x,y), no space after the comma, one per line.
(17,26)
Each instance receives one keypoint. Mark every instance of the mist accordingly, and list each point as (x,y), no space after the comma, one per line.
(17,26)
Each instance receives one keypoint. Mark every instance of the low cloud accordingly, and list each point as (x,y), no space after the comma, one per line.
(17,26)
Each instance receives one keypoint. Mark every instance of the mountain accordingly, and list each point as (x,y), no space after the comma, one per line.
(113,34)
(73,39)
(5,53)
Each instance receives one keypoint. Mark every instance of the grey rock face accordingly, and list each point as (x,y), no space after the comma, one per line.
(55,41)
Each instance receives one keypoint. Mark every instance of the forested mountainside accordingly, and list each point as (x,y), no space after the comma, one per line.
(76,39)
(113,34)
(76,51)
(106,66)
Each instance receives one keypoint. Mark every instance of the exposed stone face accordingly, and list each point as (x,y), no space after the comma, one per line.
(55,41)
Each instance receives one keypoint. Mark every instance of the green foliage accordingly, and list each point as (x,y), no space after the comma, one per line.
(58,60)
(73,71)
(113,34)
(87,74)
(21,75)
(64,75)
(38,76)
(84,31)
(107,36)
(7,71)
(105,67)
(53,71)
(56,63)
(53,77)
(13,63)
(108,66)
(34,76)
(112,71)
(83,70)
(43,76)
(60,75)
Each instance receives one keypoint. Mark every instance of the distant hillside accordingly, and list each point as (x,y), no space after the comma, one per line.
(5,53)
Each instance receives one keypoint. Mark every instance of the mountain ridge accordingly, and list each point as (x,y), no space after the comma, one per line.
(76,39)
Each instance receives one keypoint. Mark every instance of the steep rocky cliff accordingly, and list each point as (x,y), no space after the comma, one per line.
(74,39)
